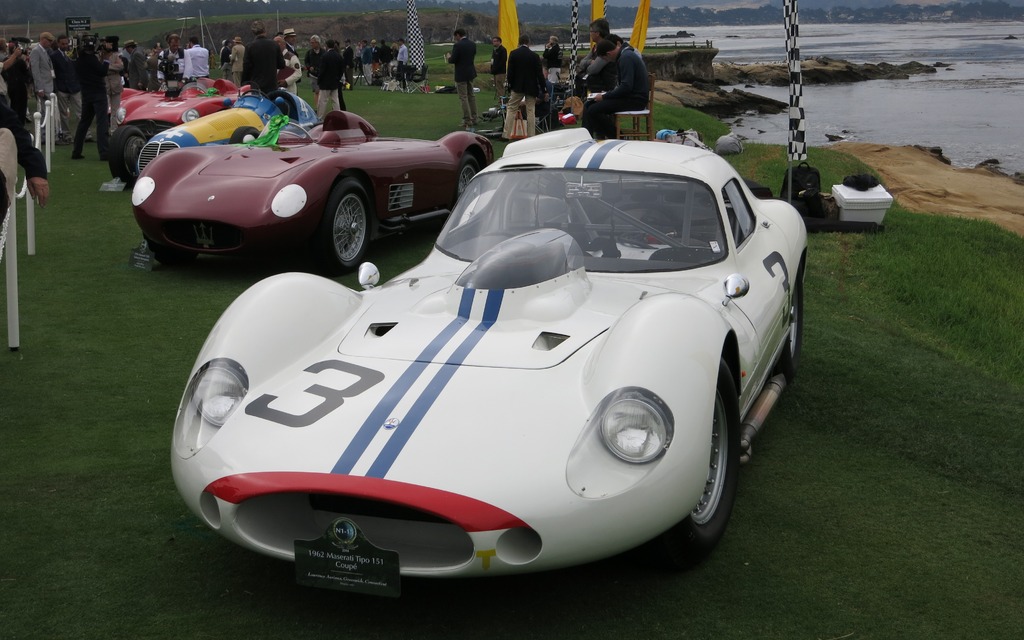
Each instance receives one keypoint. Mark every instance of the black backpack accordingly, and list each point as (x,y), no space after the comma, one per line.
(806,197)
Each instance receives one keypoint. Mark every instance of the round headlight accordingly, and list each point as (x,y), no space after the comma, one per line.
(635,425)
(144,187)
(121,114)
(189,115)
(288,201)
(213,394)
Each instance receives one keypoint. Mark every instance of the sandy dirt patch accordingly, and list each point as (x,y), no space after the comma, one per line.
(922,183)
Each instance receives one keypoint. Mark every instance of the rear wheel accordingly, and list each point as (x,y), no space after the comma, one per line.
(692,539)
(125,148)
(345,229)
(238,136)
(468,168)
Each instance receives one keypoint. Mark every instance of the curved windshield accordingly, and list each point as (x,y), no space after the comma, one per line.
(623,222)
(291,133)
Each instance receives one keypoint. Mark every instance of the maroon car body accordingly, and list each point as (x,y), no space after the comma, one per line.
(333,187)
(143,114)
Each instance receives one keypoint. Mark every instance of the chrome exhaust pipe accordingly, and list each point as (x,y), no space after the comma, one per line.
(754,422)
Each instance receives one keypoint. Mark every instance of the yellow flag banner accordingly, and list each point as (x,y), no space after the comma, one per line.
(508,23)
(639,36)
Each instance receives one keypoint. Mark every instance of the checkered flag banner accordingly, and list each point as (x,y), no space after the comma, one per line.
(414,35)
(797,123)
(575,40)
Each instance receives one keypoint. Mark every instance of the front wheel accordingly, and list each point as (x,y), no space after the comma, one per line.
(693,538)
(345,229)
(125,148)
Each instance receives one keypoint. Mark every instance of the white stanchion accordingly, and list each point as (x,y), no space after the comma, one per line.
(11,249)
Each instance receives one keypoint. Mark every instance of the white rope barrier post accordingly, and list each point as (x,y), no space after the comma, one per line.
(10,246)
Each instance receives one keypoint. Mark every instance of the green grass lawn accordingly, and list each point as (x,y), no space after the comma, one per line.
(883,501)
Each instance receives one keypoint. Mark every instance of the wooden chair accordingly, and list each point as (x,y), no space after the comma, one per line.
(637,125)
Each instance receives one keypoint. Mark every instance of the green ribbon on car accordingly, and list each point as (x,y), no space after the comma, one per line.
(269,138)
(210,93)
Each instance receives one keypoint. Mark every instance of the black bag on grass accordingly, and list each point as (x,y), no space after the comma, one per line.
(806,196)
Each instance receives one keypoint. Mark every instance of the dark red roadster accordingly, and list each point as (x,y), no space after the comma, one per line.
(332,187)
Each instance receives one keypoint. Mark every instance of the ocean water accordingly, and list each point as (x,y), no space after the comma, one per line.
(972,109)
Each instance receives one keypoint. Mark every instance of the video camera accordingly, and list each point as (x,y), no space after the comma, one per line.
(17,42)
(91,42)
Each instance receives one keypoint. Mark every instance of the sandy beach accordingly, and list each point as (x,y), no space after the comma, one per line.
(921,182)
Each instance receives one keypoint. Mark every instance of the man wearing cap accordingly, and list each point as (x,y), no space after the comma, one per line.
(237,56)
(42,68)
(290,37)
(137,74)
(262,60)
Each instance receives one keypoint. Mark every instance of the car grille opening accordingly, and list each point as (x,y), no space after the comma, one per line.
(202,234)
(422,540)
(152,149)
(400,196)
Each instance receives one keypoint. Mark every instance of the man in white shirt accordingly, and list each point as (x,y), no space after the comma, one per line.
(403,62)
(197,60)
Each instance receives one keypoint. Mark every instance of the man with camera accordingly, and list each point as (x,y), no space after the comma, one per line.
(16,76)
(92,66)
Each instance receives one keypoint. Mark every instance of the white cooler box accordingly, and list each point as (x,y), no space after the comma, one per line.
(861,206)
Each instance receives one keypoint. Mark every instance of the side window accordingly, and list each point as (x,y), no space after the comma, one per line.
(741,218)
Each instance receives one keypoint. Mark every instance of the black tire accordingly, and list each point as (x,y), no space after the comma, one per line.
(239,134)
(692,539)
(789,360)
(468,167)
(345,229)
(170,256)
(123,157)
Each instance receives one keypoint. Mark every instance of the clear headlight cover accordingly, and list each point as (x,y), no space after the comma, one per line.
(144,187)
(120,115)
(189,115)
(213,394)
(635,425)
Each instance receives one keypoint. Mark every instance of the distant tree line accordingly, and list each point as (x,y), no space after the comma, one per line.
(18,12)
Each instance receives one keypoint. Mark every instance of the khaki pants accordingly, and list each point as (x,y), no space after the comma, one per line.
(468,101)
(514,101)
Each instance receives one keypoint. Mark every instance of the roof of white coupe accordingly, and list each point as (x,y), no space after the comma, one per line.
(575,149)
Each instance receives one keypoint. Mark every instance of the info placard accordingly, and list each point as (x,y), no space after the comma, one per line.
(345,560)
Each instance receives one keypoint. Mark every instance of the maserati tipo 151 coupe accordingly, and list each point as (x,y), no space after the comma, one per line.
(574,371)
(332,187)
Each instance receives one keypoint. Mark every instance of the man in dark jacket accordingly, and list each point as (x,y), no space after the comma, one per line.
(69,91)
(348,59)
(463,56)
(332,80)
(630,94)
(91,66)
(262,60)
(525,84)
(499,65)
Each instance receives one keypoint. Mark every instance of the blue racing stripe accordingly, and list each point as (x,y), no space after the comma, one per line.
(383,410)
(576,154)
(419,409)
(602,152)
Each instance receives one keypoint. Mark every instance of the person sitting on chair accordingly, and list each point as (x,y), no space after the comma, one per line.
(630,94)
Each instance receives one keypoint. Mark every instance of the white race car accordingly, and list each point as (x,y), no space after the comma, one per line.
(574,371)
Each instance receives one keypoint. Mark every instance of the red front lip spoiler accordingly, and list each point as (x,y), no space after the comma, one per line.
(468,513)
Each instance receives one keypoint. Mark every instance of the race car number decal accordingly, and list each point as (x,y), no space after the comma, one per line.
(775,258)
(333,398)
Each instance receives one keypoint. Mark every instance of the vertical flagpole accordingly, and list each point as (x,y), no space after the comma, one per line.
(797,147)
(575,43)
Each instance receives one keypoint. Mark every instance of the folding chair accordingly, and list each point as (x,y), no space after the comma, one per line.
(416,80)
(637,125)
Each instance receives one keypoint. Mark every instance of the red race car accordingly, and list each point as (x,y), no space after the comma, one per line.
(144,114)
(334,186)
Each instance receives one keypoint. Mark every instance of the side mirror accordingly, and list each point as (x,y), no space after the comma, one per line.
(369,275)
(736,286)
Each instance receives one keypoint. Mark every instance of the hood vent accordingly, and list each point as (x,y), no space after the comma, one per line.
(547,341)
(380,329)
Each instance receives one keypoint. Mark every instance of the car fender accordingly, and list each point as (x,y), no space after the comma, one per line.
(249,331)
(633,353)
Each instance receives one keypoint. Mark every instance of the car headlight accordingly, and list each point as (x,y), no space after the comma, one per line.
(635,425)
(288,201)
(144,187)
(213,394)
(189,115)
(120,115)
